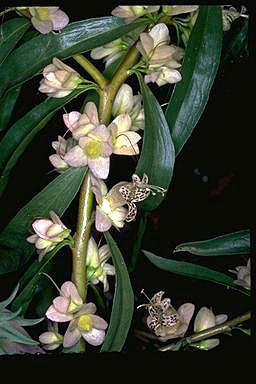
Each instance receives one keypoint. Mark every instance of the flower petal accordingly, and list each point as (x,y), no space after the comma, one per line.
(99,167)
(72,335)
(70,291)
(54,315)
(186,312)
(41,227)
(98,322)
(59,20)
(76,157)
(94,337)
(103,222)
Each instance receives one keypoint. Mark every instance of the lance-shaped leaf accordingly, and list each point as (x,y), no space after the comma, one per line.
(157,154)
(81,36)
(8,102)
(123,302)
(192,270)
(234,243)
(198,71)
(31,279)
(10,33)
(20,135)
(56,196)
(10,333)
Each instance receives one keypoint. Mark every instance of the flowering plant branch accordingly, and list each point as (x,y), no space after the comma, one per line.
(178,47)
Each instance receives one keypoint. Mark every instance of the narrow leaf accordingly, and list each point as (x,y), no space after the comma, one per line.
(6,302)
(56,196)
(81,36)
(10,33)
(10,333)
(192,270)
(157,154)
(198,71)
(123,302)
(8,102)
(31,279)
(230,244)
(20,135)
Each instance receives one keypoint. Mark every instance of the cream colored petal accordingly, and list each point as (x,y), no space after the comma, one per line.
(160,34)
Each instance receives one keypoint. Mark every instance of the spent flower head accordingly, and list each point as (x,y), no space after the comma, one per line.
(59,79)
(48,233)
(47,19)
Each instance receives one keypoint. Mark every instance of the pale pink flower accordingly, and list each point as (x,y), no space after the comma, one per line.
(59,79)
(48,233)
(47,19)
(109,209)
(93,150)
(61,147)
(80,124)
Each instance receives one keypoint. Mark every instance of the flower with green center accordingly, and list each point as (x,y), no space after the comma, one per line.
(87,325)
(110,210)
(48,233)
(47,19)
(93,150)
(97,268)
(59,79)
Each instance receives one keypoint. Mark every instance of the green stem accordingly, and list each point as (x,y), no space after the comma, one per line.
(205,334)
(91,69)
(108,93)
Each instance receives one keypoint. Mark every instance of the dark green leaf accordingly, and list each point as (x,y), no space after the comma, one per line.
(56,196)
(193,270)
(8,102)
(20,135)
(157,154)
(81,36)
(230,244)
(123,302)
(31,279)
(198,71)
(237,42)
(10,33)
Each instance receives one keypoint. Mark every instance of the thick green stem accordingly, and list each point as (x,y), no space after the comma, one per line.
(108,93)
(91,69)
(82,236)
(221,328)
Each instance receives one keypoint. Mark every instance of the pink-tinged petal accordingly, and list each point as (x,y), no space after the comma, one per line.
(61,304)
(70,119)
(88,308)
(69,289)
(57,162)
(103,222)
(123,123)
(41,227)
(100,132)
(147,42)
(94,337)
(160,34)
(186,312)
(54,315)
(72,335)
(92,112)
(42,26)
(32,239)
(99,167)
(76,157)
(60,20)
(98,322)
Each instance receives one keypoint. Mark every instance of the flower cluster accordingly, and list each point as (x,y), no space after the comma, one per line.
(92,143)
(82,320)
(160,58)
(48,234)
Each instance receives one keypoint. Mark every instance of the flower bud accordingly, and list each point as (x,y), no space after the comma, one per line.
(59,79)
(205,319)
(50,340)
(123,101)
